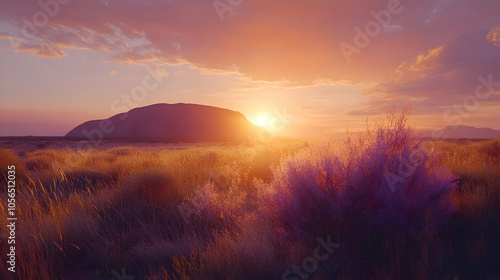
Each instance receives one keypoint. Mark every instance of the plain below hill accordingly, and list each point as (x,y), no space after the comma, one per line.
(171,122)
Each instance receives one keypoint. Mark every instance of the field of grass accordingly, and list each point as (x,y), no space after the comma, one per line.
(381,205)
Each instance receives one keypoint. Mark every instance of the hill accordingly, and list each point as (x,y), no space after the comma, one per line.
(173,122)
(463,132)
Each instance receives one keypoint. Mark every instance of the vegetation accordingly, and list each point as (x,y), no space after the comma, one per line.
(394,207)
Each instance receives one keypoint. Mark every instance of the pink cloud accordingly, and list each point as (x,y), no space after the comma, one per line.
(266,40)
(445,75)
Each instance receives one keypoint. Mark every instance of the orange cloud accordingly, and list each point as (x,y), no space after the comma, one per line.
(422,63)
(43,50)
(494,36)
(280,40)
(444,76)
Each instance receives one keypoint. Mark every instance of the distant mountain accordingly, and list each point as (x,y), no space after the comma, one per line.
(461,131)
(170,122)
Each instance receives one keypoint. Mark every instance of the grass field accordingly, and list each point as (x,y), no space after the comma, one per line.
(381,205)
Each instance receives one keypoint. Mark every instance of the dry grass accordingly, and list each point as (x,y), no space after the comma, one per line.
(225,212)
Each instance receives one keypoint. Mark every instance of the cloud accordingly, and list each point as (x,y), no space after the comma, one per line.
(280,40)
(43,50)
(113,72)
(446,75)
(494,36)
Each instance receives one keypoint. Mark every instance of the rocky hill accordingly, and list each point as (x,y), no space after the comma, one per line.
(175,122)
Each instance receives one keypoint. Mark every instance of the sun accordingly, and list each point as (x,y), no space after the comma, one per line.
(263,121)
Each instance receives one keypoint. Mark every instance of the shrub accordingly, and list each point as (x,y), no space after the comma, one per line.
(378,187)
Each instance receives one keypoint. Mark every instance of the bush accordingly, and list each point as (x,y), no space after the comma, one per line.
(376,188)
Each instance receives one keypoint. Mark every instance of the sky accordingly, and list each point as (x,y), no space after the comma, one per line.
(313,65)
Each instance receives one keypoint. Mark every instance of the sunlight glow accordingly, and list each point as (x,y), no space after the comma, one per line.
(263,121)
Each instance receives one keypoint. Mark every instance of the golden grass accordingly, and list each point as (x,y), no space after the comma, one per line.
(93,207)
(477,163)
(203,212)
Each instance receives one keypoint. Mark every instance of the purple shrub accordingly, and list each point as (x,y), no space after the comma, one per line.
(380,182)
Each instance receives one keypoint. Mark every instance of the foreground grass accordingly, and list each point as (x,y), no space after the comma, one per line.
(244,212)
